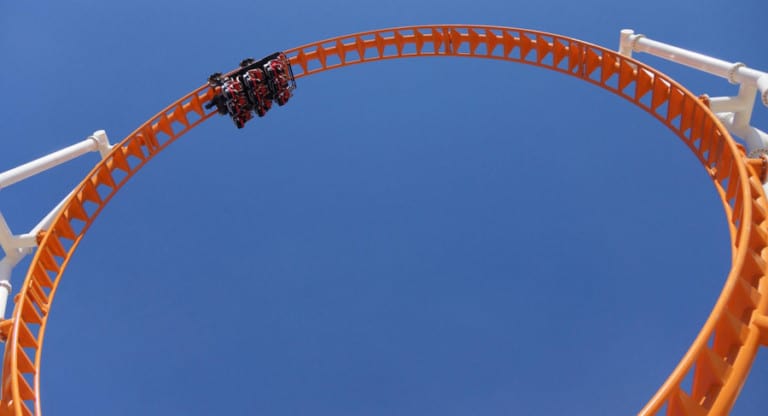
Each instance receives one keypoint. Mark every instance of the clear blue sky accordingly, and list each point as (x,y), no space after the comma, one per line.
(415,237)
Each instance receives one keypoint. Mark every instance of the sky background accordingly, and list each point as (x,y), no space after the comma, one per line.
(411,237)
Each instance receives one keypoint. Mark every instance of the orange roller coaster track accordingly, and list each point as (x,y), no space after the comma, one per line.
(720,357)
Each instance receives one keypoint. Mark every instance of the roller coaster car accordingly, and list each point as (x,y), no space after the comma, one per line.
(258,91)
(252,87)
(281,79)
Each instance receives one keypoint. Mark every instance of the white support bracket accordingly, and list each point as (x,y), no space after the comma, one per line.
(734,112)
(16,247)
(97,142)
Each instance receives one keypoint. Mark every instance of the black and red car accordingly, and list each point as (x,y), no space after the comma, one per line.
(252,88)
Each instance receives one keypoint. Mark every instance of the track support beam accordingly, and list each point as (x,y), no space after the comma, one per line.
(16,247)
(734,112)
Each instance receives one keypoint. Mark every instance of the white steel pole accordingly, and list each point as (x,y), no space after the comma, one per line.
(756,139)
(17,247)
(6,236)
(6,267)
(36,166)
(5,283)
(10,242)
(735,72)
(762,86)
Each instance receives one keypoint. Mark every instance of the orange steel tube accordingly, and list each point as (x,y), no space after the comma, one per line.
(720,357)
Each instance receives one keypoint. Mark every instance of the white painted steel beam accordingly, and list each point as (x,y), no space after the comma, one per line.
(16,247)
(734,112)
(98,142)
(734,72)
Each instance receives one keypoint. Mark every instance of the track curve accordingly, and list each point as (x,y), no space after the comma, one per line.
(720,357)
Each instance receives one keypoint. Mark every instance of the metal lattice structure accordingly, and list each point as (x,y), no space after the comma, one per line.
(720,357)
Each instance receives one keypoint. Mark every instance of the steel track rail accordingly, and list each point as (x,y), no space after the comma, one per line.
(721,355)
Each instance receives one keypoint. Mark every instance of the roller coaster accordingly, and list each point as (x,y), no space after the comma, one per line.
(719,359)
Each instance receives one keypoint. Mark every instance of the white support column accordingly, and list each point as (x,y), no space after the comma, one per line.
(16,247)
(6,237)
(734,72)
(746,97)
(98,142)
(10,242)
(44,163)
(726,104)
(6,266)
(102,142)
(625,43)
(754,137)
(734,112)
(762,86)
